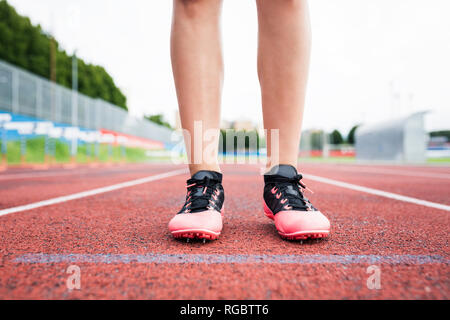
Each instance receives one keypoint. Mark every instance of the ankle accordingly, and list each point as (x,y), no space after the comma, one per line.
(194,168)
(271,166)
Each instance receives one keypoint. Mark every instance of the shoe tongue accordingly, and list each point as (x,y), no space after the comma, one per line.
(283,170)
(207,174)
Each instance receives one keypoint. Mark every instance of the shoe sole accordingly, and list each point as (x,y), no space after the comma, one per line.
(304,235)
(300,235)
(196,234)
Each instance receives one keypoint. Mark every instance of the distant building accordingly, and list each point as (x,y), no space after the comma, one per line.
(238,125)
(401,140)
(439,141)
(243,125)
(226,124)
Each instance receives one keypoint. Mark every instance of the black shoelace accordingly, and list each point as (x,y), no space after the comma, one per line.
(201,195)
(292,190)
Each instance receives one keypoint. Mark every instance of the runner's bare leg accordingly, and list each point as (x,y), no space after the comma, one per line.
(283,58)
(198,73)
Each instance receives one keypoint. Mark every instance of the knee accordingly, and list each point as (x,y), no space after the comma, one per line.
(194,8)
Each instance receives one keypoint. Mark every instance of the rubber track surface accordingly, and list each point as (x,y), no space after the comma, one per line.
(120,240)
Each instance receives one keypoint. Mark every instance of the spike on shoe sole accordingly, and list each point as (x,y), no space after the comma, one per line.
(304,236)
(196,234)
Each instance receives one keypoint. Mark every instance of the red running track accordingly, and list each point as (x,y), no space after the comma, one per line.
(120,242)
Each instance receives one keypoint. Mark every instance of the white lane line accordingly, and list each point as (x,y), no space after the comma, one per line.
(395,172)
(18,176)
(92,192)
(44,174)
(44,258)
(378,192)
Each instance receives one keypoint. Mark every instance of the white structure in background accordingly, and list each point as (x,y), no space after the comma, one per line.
(402,140)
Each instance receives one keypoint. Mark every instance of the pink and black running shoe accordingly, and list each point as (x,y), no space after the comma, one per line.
(284,202)
(201,215)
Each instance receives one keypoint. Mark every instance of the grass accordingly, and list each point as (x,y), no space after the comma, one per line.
(445,160)
(35,152)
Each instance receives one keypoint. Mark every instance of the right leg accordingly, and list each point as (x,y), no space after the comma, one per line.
(198,73)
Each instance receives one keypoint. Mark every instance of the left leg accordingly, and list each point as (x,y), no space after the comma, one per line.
(283,60)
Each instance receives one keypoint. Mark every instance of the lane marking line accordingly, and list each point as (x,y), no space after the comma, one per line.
(63,172)
(92,192)
(378,192)
(394,172)
(42,258)
(37,175)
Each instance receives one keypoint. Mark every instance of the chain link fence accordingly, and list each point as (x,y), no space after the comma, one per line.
(26,94)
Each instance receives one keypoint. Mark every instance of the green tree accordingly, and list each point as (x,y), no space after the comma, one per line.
(28,46)
(158,119)
(336,137)
(442,133)
(351,135)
